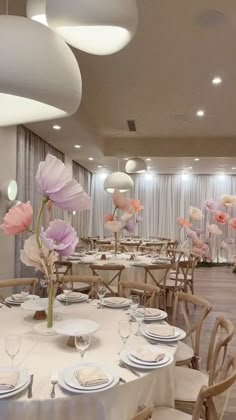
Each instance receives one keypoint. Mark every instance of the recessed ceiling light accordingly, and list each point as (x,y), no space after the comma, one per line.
(126,158)
(56,127)
(99,166)
(148,159)
(233,167)
(200,113)
(148,177)
(90,158)
(196,159)
(77,146)
(185,176)
(190,167)
(216,80)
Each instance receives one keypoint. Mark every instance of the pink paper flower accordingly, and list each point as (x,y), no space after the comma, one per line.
(17,219)
(232,223)
(108,217)
(221,217)
(54,182)
(120,201)
(139,219)
(211,205)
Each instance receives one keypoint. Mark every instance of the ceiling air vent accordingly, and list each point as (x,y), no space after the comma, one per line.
(131,125)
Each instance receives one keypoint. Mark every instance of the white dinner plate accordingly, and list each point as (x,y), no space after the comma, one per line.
(141,362)
(37,304)
(173,336)
(181,336)
(105,302)
(80,298)
(159,317)
(22,383)
(65,372)
(71,326)
(125,358)
(10,300)
(71,380)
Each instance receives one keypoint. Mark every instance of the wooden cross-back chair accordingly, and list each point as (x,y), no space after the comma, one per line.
(128,246)
(84,283)
(157,274)
(173,244)
(62,268)
(188,381)
(206,405)
(32,282)
(174,254)
(190,355)
(88,243)
(147,292)
(152,247)
(113,283)
(178,281)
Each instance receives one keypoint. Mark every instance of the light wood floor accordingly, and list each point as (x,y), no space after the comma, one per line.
(218,286)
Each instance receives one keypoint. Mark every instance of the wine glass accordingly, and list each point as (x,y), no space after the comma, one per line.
(139,315)
(25,291)
(101,292)
(12,346)
(67,289)
(134,302)
(124,330)
(82,342)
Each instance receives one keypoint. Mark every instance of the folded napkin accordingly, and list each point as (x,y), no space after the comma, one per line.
(115,300)
(8,380)
(91,376)
(152,312)
(162,330)
(18,297)
(146,355)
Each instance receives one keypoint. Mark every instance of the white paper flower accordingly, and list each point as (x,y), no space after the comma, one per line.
(32,256)
(114,226)
(195,213)
(214,229)
(228,200)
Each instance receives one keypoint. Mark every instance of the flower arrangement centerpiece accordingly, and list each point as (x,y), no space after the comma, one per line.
(217,215)
(44,246)
(127,220)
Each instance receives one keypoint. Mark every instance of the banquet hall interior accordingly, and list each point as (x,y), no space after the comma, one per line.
(118,210)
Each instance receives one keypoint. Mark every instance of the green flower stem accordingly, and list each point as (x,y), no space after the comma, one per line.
(114,212)
(38,222)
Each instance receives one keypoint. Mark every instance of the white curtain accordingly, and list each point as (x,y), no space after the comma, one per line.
(164,197)
(81,220)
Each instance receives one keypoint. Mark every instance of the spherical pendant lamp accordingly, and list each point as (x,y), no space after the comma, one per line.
(36,10)
(135,165)
(39,75)
(118,181)
(95,26)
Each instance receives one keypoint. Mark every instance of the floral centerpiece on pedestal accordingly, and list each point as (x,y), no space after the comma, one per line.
(44,246)
(129,218)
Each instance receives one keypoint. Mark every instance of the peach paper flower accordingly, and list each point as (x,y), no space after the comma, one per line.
(228,200)
(221,217)
(108,217)
(120,201)
(17,219)
(183,222)
(114,226)
(232,223)
(137,207)
(195,213)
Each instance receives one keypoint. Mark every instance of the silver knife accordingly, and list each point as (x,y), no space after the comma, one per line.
(30,386)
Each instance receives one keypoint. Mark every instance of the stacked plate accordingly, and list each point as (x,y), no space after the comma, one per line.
(146,357)
(115,302)
(153,314)
(74,297)
(18,299)
(99,378)
(163,333)
(22,383)
(37,304)
(69,327)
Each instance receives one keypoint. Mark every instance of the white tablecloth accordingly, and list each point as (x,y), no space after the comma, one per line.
(43,355)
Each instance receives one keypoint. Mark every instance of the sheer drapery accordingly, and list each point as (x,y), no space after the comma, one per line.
(164,197)
(81,220)
(31,149)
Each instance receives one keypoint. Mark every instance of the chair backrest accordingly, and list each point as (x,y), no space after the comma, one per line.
(149,292)
(174,255)
(62,269)
(145,414)
(183,268)
(20,282)
(129,246)
(116,268)
(209,396)
(157,273)
(88,242)
(194,329)
(93,282)
(221,336)
(173,244)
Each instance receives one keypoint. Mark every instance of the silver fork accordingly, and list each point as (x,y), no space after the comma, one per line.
(124,366)
(53,382)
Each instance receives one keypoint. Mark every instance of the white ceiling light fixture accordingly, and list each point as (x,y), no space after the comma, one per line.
(29,90)
(216,80)
(36,10)
(9,190)
(77,146)
(118,181)
(56,127)
(97,27)
(135,165)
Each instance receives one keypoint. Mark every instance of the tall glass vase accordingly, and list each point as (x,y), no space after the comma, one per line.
(51,297)
(116,242)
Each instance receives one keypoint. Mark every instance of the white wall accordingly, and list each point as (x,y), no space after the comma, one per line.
(7,172)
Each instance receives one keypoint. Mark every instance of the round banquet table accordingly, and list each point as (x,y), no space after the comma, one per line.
(43,355)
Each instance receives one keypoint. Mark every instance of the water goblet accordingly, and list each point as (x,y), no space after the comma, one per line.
(12,346)
(67,289)
(82,342)
(101,292)
(25,290)
(139,315)
(124,330)
(134,302)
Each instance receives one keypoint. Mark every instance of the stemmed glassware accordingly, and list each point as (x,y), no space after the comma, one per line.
(124,330)
(134,302)
(25,290)
(139,315)
(12,346)
(67,289)
(82,342)
(101,292)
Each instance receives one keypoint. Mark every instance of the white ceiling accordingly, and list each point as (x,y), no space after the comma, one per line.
(160,80)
